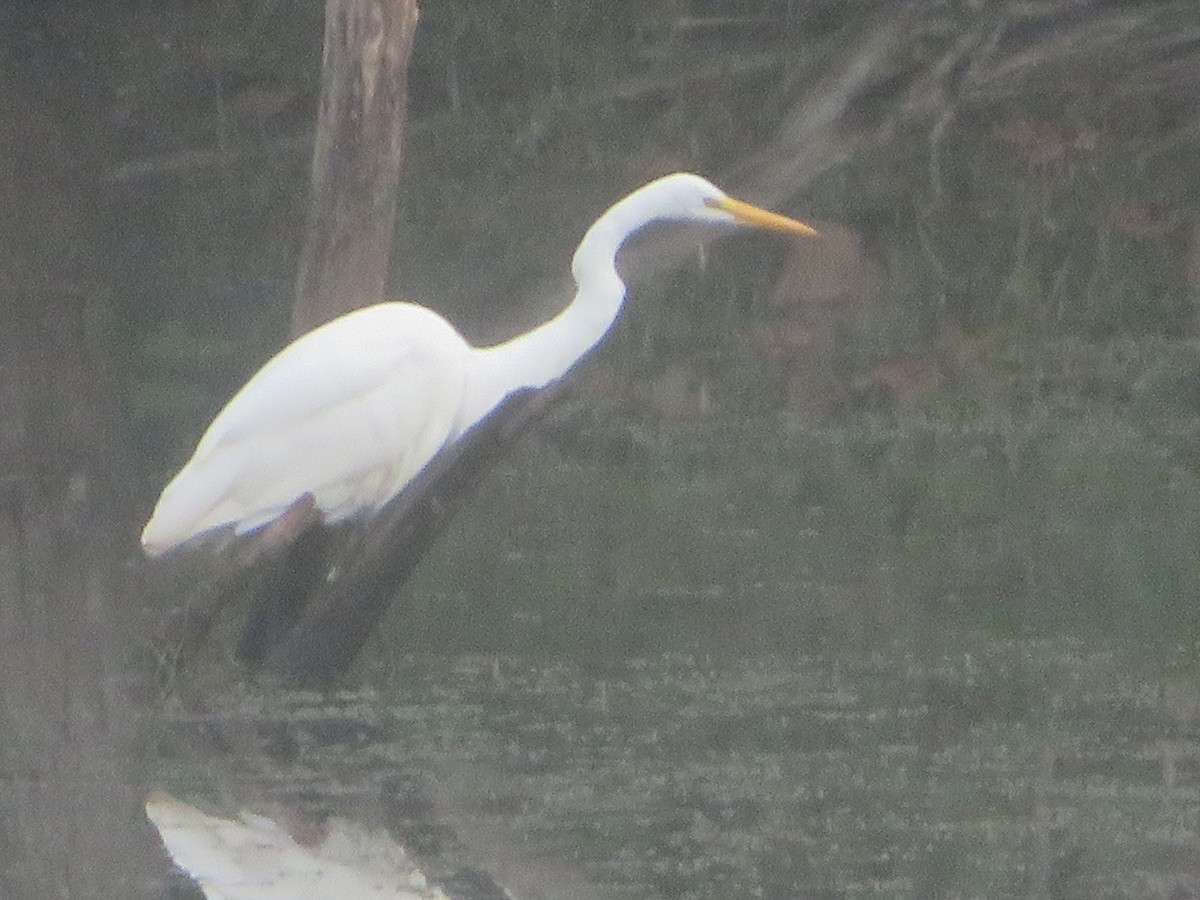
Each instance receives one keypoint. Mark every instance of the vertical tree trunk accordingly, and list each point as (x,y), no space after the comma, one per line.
(356,158)
(71,780)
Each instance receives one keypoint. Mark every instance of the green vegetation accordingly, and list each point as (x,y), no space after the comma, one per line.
(871,574)
(994,416)
(1045,511)
(945,767)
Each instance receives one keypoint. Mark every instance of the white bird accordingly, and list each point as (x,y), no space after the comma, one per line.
(351,412)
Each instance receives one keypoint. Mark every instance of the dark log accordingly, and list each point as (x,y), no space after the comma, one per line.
(356,158)
(282,591)
(274,569)
(335,624)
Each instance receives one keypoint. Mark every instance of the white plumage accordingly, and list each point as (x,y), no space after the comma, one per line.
(350,412)
(353,410)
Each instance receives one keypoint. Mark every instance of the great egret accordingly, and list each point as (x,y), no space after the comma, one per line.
(350,412)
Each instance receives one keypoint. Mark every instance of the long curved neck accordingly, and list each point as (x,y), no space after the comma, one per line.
(546,353)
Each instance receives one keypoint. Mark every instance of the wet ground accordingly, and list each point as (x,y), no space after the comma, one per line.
(1020,769)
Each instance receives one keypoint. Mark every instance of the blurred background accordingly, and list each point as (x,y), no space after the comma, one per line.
(860,567)
(983,381)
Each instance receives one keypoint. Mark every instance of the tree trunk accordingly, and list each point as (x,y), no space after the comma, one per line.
(71,776)
(356,158)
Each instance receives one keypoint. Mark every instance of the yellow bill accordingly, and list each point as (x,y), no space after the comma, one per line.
(748,214)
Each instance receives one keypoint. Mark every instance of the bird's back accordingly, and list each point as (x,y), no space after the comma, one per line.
(349,412)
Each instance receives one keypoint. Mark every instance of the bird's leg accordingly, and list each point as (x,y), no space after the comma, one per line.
(292,552)
(285,528)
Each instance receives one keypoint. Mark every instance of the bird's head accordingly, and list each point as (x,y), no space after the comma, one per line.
(690,198)
(682,197)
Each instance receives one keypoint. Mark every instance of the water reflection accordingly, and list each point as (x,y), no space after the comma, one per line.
(253,857)
(1031,768)
(732,668)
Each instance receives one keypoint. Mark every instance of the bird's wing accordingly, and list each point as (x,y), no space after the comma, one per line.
(349,413)
(335,364)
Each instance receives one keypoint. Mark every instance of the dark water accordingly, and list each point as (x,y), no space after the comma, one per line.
(1023,768)
(690,675)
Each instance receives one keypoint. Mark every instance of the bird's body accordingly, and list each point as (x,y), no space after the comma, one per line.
(350,412)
